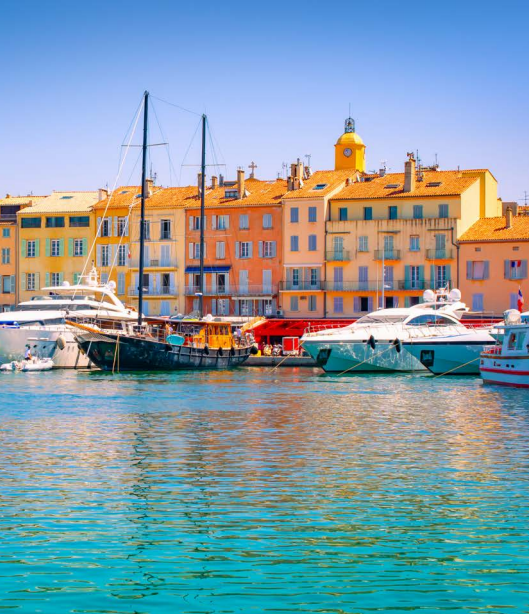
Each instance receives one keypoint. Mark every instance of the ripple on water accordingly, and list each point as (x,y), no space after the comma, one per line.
(262,491)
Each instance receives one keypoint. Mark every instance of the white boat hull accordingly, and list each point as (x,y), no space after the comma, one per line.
(447,358)
(337,357)
(505,371)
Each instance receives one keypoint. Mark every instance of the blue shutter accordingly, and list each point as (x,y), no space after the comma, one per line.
(448,272)
(507,269)
(237,250)
(469,269)
(370,303)
(524,269)
(421,274)
(260,249)
(407,277)
(486,270)
(432,277)
(357,304)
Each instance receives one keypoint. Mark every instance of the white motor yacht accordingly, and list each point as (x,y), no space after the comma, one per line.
(41,322)
(374,342)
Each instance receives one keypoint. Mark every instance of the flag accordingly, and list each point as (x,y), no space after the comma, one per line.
(520,300)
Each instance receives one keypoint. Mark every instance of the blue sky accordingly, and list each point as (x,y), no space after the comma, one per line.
(276,80)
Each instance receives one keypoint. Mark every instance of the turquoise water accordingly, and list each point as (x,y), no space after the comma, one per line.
(258,491)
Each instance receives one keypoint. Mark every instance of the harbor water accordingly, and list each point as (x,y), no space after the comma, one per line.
(262,491)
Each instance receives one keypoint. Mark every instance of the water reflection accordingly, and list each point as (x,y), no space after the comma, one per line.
(262,491)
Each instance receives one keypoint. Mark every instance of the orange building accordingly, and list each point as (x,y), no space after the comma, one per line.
(494,255)
(243,245)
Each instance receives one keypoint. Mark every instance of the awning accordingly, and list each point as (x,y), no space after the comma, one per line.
(208,269)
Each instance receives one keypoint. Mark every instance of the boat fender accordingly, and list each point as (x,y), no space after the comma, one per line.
(206,350)
(232,351)
(61,342)
(254,350)
(397,344)
(371,342)
(221,353)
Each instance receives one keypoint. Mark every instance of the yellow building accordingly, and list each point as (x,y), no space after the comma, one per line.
(55,236)
(350,151)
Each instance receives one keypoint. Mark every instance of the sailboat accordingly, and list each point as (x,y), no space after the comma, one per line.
(159,345)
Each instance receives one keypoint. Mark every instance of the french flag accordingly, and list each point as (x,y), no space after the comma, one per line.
(520,300)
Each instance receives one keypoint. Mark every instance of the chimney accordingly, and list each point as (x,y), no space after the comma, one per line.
(148,188)
(382,172)
(409,173)
(290,183)
(221,180)
(509,205)
(8,195)
(299,169)
(508,218)
(214,182)
(102,194)
(199,183)
(240,183)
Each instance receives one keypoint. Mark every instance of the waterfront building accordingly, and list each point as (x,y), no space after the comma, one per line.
(55,236)
(9,207)
(242,250)
(494,255)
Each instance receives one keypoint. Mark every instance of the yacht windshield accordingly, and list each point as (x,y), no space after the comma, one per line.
(381,319)
(58,307)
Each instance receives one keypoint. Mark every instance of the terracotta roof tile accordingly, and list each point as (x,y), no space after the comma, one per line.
(63,202)
(494,229)
(330,179)
(20,200)
(259,193)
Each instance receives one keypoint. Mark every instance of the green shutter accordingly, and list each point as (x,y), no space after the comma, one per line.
(70,247)
(37,281)
(432,277)
(448,272)
(47,279)
(85,247)
(47,249)
(61,247)
(407,277)
(24,248)
(421,273)
(23,281)
(37,248)
(61,278)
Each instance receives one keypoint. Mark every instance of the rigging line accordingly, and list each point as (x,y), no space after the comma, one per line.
(177,106)
(168,149)
(188,148)
(140,106)
(217,146)
(98,230)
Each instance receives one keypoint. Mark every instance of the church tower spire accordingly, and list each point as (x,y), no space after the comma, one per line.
(349,151)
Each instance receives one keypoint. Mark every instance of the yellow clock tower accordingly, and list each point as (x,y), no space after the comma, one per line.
(350,151)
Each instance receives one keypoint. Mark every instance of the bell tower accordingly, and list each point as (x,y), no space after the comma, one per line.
(349,151)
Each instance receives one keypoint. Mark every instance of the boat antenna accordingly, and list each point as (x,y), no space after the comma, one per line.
(202,217)
(142,210)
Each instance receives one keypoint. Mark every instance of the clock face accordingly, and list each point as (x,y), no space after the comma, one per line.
(347,152)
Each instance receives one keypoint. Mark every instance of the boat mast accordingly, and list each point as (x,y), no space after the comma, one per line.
(142,211)
(202,217)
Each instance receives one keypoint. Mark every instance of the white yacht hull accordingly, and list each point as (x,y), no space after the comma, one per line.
(451,358)
(339,356)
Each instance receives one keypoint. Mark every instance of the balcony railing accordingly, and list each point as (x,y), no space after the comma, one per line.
(303,286)
(154,291)
(233,290)
(439,254)
(154,262)
(413,284)
(388,254)
(350,286)
(337,255)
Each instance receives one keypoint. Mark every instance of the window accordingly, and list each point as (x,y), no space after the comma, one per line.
(54,222)
(363,245)
(80,221)
(342,214)
(194,251)
(56,279)
(314,278)
(30,281)
(441,276)
(312,243)
(122,226)
(231,193)
(244,223)
(194,222)
(267,220)
(294,215)
(443,211)
(31,222)
(320,186)
(6,255)
(393,212)
(165,230)
(415,244)
(245,249)
(368,213)
(338,304)
(313,214)
(78,245)
(477,301)
(6,233)
(31,250)
(294,243)
(515,269)
(417,212)
(6,284)
(223,222)
(66,197)
(220,250)
(105,227)
(294,303)
(295,277)
(105,255)
(415,277)
(269,249)
(312,302)
(478,269)
(122,255)
(55,247)
(363,278)
(147,230)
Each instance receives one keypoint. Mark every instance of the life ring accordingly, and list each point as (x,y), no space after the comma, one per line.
(61,342)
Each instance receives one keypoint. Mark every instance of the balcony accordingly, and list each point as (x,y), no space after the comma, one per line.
(351,286)
(233,290)
(302,286)
(439,254)
(413,284)
(165,263)
(154,290)
(388,254)
(338,256)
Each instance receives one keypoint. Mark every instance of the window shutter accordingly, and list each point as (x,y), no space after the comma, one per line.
(448,272)
(227,282)
(250,249)
(191,222)
(406,301)
(84,247)
(205,222)
(507,269)
(213,282)
(357,304)
(214,222)
(236,310)
(237,249)
(24,248)
(370,303)
(98,256)
(23,281)
(260,249)
(524,269)
(432,276)
(191,251)
(12,284)
(274,249)
(70,247)
(407,277)
(98,227)
(126,229)
(205,249)
(37,281)
(380,302)
(421,273)
(227,221)
(47,278)
(395,301)
(61,278)
(214,307)
(514,300)
(47,248)
(116,226)
(469,269)
(110,226)
(486,270)
(61,247)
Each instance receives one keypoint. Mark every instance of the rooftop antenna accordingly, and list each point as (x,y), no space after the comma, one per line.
(285,169)
(436,161)
(525,197)
(308,156)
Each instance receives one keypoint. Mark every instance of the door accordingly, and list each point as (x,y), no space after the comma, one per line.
(243,282)
(388,247)
(165,255)
(337,243)
(440,246)
(338,278)
(267,281)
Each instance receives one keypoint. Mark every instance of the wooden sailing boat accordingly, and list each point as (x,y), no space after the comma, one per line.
(158,345)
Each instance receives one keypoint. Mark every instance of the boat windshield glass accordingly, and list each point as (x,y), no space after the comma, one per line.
(381,319)
(58,307)
(435,319)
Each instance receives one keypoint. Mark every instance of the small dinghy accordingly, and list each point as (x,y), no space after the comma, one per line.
(35,364)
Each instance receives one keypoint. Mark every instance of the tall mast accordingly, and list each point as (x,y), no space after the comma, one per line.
(142,211)
(202,217)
